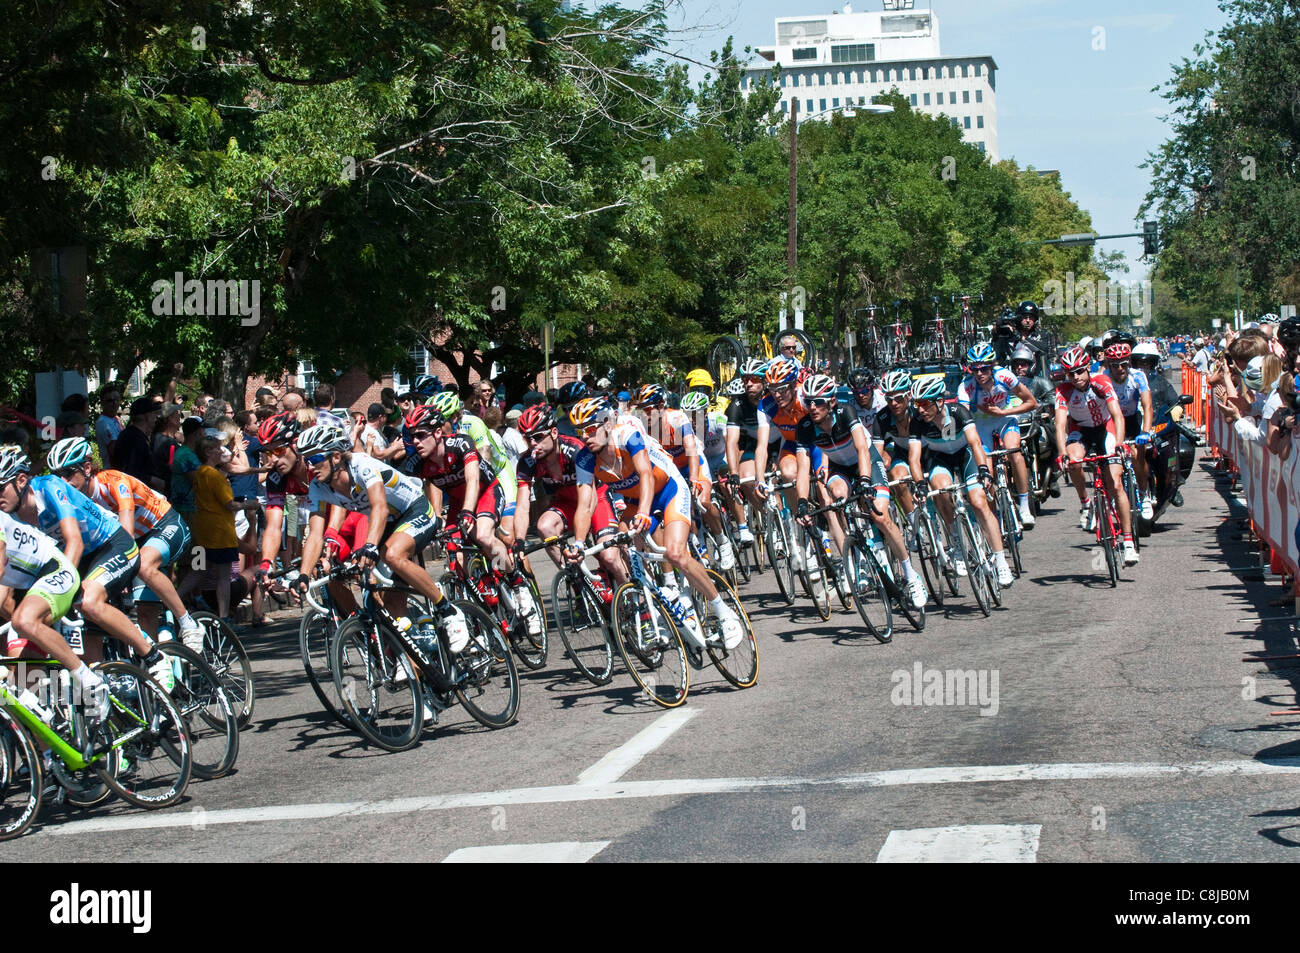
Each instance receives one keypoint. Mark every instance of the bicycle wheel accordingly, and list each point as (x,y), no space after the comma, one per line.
(1106,536)
(207,710)
(950,559)
(650,645)
(21,780)
(223,651)
(1010,537)
(869,595)
(378,684)
(488,682)
(816,563)
(316,634)
(975,568)
(1134,510)
(584,628)
(777,540)
(738,665)
(531,648)
(924,546)
(149,764)
(904,598)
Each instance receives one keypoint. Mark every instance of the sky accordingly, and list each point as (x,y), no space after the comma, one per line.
(1062,103)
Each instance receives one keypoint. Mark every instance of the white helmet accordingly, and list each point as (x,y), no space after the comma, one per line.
(1084,342)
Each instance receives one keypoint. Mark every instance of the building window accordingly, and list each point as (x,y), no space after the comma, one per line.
(835,103)
(926,99)
(808,106)
(933,74)
(979,69)
(912,73)
(804,53)
(952,99)
(853,76)
(822,107)
(943,72)
(826,80)
(862,100)
(956,123)
(784,106)
(914,99)
(979,95)
(307,378)
(966,121)
(853,53)
(965,95)
(981,145)
(979,122)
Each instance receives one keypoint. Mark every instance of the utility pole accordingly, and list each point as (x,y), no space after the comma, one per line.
(792,250)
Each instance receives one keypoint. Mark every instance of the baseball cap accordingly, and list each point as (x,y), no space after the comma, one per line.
(514,412)
(143,405)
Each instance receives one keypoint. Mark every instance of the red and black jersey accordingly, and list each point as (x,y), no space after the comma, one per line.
(446,469)
(556,474)
(278,486)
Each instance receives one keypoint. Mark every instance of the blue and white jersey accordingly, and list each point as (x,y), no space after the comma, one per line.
(1002,387)
(56,501)
(1130,392)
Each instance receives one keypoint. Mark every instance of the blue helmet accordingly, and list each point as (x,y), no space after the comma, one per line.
(981,353)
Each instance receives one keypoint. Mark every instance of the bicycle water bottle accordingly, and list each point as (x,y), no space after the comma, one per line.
(687,609)
(882,557)
(601,582)
(33,704)
(426,635)
(826,544)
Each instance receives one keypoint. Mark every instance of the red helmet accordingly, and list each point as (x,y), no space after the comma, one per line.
(277,430)
(1118,352)
(1075,358)
(535,419)
(424,416)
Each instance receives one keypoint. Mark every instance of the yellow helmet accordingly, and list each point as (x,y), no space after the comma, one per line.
(700,378)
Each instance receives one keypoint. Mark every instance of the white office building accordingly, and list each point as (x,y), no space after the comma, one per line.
(844,58)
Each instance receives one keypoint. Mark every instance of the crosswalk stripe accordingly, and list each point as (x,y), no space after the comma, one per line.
(563,852)
(969,844)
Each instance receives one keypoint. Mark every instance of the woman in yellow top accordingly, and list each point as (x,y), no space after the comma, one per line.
(213,527)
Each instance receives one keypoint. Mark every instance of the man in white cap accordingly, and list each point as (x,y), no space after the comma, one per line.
(1201,360)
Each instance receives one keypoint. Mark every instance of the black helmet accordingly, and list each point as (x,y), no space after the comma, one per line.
(1123,337)
(1028,309)
(862,378)
(572,393)
(1288,333)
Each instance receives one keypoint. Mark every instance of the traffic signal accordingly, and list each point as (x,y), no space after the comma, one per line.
(1150,237)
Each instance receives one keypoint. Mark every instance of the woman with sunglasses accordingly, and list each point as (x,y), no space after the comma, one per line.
(987,393)
(851,464)
(1096,426)
(1133,392)
(742,435)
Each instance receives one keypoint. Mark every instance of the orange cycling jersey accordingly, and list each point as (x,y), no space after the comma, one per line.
(670,429)
(626,440)
(113,489)
(786,421)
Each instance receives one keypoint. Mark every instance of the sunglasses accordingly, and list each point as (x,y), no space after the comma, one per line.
(277,451)
(317,460)
(781,388)
(537,437)
(422,434)
(819,401)
(1080,370)
(1116,365)
(754,379)
(925,404)
(789,347)
(896,398)
(981,368)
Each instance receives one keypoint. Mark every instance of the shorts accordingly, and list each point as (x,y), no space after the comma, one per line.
(417,521)
(491,502)
(674,502)
(1132,425)
(967,470)
(602,520)
(815,452)
(684,468)
(717,465)
(223,556)
(112,565)
(1096,440)
(169,536)
(56,586)
(988,427)
(849,472)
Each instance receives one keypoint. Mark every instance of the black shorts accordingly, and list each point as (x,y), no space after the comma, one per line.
(112,565)
(1132,425)
(417,521)
(1096,440)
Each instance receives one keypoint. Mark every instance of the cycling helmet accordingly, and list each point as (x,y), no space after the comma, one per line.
(322,438)
(277,430)
(1124,337)
(1028,309)
(736,388)
(1023,353)
(1118,352)
(695,401)
(1108,337)
(781,371)
(1253,375)
(862,379)
(929,388)
(1146,351)
(1084,342)
(981,353)
(1075,358)
(753,368)
(651,395)
(12,462)
(426,415)
(573,392)
(897,382)
(536,419)
(700,378)
(589,411)
(67,454)
(426,385)
(447,403)
(819,387)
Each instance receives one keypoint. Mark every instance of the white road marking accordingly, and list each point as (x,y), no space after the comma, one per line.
(626,756)
(565,852)
(685,787)
(972,844)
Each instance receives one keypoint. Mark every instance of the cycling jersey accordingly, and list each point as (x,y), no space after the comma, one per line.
(278,486)
(715,437)
(786,421)
(943,440)
(446,469)
(55,500)
(556,474)
(743,416)
(1087,408)
(671,428)
(1000,390)
(869,413)
(111,488)
(837,443)
(400,491)
(893,435)
(626,440)
(489,445)
(1129,394)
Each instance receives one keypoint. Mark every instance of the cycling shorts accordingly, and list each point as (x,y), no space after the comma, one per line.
(57,586)
(113,564)
(1096,440)
(848,473)
(417,521)
(602,520)
(169,536)
(1132,425)
(706,472)
(989,427)
(717,465)
(969,472)
(674,502)
(491,502)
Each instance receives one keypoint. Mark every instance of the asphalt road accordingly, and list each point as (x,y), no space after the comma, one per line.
(1116,725)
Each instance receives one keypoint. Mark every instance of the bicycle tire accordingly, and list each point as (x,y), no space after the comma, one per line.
(778,553)
(903,600)
(757,549)
(531,648)
(150,765)
(924,546)
(738,665)
(661,669)
(868,589)
(1010,538)
(1134,510)
(1105,537)
(584,628)
(818,590)
(367,659)
(975,569)
(21,779)
(225,654)
(950,563)
(487,669)
(207,710)
(316,634)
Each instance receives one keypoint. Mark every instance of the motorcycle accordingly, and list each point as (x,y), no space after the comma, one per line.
(1170,457)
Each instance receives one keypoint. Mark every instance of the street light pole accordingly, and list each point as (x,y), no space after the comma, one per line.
(792,248)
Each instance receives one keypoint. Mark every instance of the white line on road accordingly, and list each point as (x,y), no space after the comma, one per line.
(626,756)
(564,852)
(970,844)
(683,787)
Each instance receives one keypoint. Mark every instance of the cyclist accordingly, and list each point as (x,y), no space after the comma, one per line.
(551,464)
(742,436)
(353,482)
(567,396)
(987,393)
(891,431)
(1024,364)
(868,400)
(623,458)
(713,425)
(1096,426)
(944,445)
(851,463)
(1134,395)
(145,515)
(700,381)
(489,447)
(782,409)
(675,433)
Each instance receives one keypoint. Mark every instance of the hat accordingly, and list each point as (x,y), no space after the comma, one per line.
(514,412)
(263,392)
(531,398)
(1199,342)
(212,432)
(624,396)
(143,405)
(603,384)
(169,409)
(376,410)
